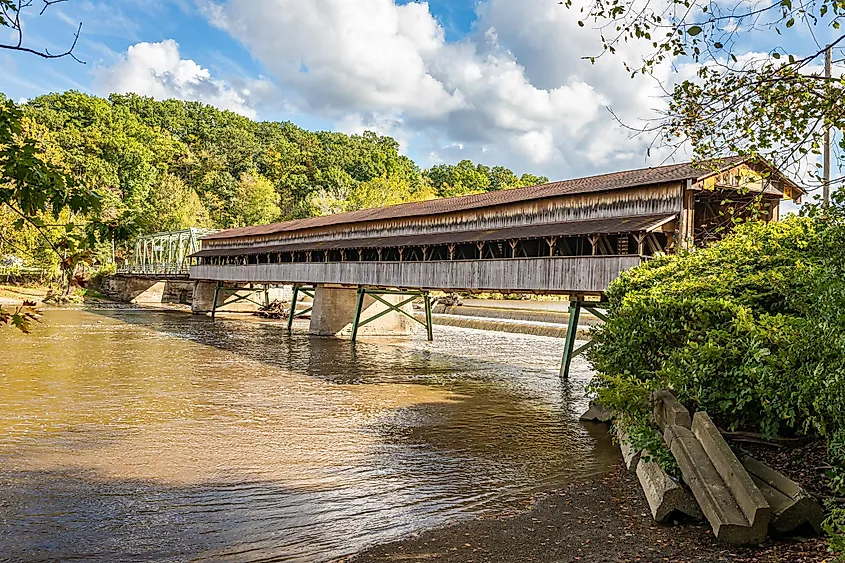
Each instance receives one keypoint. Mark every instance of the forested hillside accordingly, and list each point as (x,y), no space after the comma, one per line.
(174,164)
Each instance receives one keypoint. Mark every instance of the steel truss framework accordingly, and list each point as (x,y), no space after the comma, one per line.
(569,350)
(376,294)
(293,313)
(242,294)
(165,253)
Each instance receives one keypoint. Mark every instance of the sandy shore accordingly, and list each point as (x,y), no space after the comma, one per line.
(15,295)
(605,520)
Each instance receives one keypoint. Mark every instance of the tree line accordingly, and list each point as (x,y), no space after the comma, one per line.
(167,165)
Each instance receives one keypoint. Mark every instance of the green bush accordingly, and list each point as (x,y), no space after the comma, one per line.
(751,329)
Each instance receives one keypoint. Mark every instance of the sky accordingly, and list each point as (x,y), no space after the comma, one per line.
(503,82)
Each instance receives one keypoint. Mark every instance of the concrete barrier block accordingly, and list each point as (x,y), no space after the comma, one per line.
(715,499)
(630,455)
(792,506)
(597,413)
(668,411)
(665,496)
(749,498)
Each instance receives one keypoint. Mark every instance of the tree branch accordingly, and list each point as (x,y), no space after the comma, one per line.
(11,17)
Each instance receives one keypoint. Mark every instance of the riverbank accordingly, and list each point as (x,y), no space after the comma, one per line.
(16,294)
(603,520)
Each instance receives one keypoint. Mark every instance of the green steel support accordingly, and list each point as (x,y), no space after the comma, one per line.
(571,335)
(214,305)
(265,288)
(391,308)
(292,307)
(428,321)
(596,312)
(358,308)
(292,314)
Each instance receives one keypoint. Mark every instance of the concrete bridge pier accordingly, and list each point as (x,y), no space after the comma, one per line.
(203,299)
(147,290)
(335,311)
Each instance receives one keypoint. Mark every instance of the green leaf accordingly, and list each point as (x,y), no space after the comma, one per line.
(693,31)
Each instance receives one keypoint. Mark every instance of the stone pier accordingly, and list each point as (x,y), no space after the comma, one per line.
(146,290)
(334,313)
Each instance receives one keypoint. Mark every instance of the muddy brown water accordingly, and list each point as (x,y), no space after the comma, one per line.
(130,435)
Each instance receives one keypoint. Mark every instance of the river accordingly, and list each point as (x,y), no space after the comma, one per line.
(130,434)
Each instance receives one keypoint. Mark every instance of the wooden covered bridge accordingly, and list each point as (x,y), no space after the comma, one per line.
(568,238)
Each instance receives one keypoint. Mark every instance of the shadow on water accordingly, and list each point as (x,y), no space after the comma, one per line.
(144,435)
(371,360)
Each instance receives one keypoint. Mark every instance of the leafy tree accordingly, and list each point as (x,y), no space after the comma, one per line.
(777,105)
(383,191)
(38,189)
(173,206)
(532,180)
(502,178)
(463,178)
(256,201)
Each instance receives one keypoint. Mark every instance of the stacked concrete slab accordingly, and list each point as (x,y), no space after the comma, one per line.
(728,497)
(665,495)
(630,455)
(597,413)
(792,506)
(740,500)
(668,411)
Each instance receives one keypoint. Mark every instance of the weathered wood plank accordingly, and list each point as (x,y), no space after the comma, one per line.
(588,274)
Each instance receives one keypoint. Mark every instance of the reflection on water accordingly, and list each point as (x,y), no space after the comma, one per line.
(128,435)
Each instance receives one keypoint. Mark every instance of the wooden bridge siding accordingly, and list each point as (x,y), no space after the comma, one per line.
(644,200)
(588,274)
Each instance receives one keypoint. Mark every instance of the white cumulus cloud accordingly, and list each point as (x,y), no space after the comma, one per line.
(516,91)
(159,71)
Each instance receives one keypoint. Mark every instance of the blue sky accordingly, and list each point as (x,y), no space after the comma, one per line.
(496,81)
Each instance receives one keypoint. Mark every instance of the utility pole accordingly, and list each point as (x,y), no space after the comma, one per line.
(826,184)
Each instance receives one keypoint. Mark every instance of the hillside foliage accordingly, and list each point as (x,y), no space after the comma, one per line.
(167,165)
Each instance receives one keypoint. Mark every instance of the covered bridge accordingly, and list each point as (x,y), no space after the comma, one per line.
(571,237)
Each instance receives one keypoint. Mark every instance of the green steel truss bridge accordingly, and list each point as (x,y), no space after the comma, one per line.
(165,254)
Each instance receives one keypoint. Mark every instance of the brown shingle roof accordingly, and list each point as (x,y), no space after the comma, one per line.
(633,224)
(590,184)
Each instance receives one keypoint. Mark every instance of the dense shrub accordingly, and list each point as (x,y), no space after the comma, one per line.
(751,329)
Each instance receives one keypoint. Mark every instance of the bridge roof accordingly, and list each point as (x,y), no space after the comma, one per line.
(643,223)
(591,184)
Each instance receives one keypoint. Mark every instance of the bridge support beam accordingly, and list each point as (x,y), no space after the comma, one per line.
(569,349)
(299,291)
(391,307)
(335,309)
(214,297)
